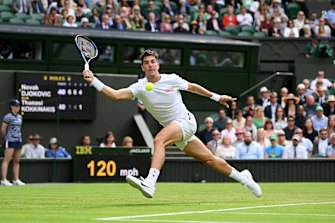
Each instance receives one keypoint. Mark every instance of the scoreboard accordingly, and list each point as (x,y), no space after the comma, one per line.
(52,96)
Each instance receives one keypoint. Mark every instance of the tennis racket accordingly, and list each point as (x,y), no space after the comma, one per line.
(87,48)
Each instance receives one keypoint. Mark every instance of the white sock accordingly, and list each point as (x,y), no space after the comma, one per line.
(152,176)
(236,175)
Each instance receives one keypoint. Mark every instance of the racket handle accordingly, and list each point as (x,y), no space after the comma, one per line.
(87,67)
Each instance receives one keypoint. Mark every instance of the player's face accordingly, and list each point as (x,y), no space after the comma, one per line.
(150,66)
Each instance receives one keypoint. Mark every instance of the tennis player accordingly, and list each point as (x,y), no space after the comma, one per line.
(165,104)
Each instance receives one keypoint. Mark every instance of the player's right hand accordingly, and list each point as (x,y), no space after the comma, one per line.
(88,76)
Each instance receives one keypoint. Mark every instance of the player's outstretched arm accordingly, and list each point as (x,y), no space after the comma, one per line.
(222,99)
(120,94)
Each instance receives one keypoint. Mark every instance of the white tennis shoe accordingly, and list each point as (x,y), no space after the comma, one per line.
(18,182)
(6,183)
(140,184)
(251,184)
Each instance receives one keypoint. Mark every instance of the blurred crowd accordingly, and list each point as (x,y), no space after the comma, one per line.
(276,18)
(294,125)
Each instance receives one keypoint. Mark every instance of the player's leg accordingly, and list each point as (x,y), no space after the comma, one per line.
(198,150)
(169,135)
(8,155)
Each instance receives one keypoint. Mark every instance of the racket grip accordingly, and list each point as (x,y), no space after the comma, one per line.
(87,67)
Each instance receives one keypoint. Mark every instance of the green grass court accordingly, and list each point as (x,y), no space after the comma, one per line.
(173,202)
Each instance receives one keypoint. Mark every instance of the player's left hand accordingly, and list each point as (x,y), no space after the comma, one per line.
(226,98)
(88,76)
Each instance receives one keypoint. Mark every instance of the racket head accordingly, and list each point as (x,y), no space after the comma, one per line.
(86,47)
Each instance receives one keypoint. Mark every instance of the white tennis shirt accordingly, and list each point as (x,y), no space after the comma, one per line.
(164,102)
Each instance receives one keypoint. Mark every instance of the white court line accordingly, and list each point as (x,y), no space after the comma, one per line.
(208,211)
(281,214)
(185,221)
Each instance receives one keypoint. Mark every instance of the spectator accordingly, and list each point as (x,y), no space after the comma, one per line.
(266,25)
(127,142)
(239,121)
(279,121)
(249,149)
(320,144)
(331,125)
(166,26)
(85,140)
(270,110)
(309,131)
(331,147)
(261,139)
(250,127)
(25,146)
(229,19)
(307,143)
(281,138)
(95,18)
(206,135)
(274,150)
(194,29)
(220,123)
(184,9)
(202,23)
(276,4)
(310,106)
(306,31)
(11,134)
(290,30)
(320,77)
(109,140)
(170,10)
(22,6)
(268,128)
(320,95)
(231,111)
(299,22)
(84,23)
(104,23)
(136,12)
(264,97)
(295,150)
(55,150)
(289,130)
(152,9)
(313,20)
(300,117)
(35,150)
(52,18)
(322,30)
(120,23)
(283,94)
(260,16)
(291,103)
(213,23)
(178,23)
(319,120)
(229,131)
(225,150)
(308,90)
(244,18)
(329,107)
(239,137)
(249,109)
(259,118)
(283,23)
(152,25)
(301,94)
(137,24)
(275,30)
(330,17)
(69,21)
(214,143)
(37,7)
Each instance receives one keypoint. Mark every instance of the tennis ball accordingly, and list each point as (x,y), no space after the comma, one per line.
(149,86)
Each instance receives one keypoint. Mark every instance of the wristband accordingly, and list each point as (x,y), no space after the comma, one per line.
(97,84)
(215,97)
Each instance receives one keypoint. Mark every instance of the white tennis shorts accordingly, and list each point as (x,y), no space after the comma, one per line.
(189,128)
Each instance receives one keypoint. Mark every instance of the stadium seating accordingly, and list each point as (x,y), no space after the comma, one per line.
(37,16)
(6,16)
(5,8)
(244,34)
(211,33)
(250,29)
(292,10)
(33,22)
(232,30)
(22,16)
(259,34)
(16,20)
(224,33)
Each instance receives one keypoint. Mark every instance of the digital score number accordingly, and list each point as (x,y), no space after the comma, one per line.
(51,96)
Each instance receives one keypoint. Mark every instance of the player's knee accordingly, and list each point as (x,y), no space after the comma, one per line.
(159,141)
(209,161)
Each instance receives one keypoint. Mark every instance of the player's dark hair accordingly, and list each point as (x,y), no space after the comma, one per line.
(146,53)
